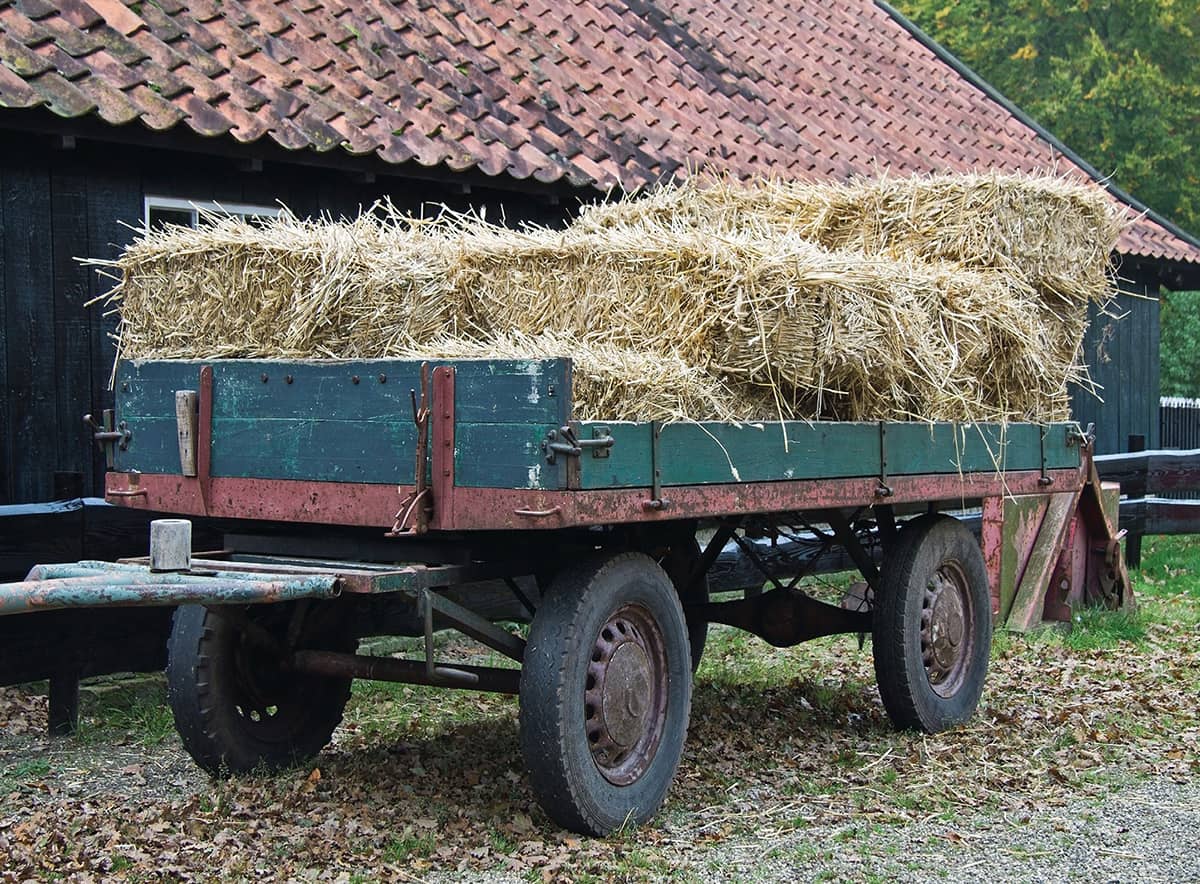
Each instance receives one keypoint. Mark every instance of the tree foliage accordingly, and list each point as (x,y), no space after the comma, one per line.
(1180,344)
(1118,81)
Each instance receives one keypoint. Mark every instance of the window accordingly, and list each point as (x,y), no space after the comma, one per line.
(160,210)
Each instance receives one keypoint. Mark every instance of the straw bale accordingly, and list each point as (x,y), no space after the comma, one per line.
(943,298)
(831,334)
(610,381)
(1055,233)
(286,288)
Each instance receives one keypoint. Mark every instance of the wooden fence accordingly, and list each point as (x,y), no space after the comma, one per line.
(1179,422)
(1160,494)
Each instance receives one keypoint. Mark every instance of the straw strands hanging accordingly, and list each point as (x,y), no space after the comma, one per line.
(935,298)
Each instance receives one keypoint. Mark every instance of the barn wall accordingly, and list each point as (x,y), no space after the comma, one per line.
(1122,356)
(56,205)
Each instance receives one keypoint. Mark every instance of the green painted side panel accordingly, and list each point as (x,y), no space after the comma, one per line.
(710,453)
(628,461)
(352,422)
(971,448)
(505,456)
(335,421)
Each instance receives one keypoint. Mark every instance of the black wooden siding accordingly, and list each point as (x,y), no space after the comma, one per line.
(1122,355)
(57,205)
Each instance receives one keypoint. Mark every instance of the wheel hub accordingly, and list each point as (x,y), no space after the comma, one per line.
(945,627)
(625,695)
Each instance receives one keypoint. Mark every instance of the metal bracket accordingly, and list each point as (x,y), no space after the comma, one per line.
(566,442)
(1044,479)
(106,436)
(884,489)
(468,623)
(1083,438)
(656,501)
(418,501)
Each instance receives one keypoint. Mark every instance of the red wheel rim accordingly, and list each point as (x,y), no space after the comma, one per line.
(947,629)
(625,695)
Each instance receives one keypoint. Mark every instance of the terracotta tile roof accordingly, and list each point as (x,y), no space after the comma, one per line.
(596,92)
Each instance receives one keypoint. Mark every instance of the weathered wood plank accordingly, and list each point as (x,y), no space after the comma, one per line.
(72,340)
(1023,517)
(708,453)
(1030,598)
(348,421)
(113,201)
(29,326)
(6,440)
(505,456)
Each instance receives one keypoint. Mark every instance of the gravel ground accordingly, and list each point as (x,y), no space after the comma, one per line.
(1145,833)
(1148,832)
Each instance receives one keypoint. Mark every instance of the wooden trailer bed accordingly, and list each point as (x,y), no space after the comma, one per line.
(399,495)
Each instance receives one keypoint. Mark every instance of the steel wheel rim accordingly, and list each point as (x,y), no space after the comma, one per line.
(268,700)
(625,694)
(947,629)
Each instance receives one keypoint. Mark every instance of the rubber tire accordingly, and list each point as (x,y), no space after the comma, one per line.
(921,548)
(202,689)
(678,565)
(554,745)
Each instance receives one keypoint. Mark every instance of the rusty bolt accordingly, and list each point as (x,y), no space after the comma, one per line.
(383,379)
(354,379)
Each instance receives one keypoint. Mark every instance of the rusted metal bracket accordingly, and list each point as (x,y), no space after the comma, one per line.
(884,489)
(1082,438)
(417,502)
(656,501)
(849,540)
(108,437)
(468,623)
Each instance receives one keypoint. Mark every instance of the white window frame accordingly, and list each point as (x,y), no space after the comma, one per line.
(195,207)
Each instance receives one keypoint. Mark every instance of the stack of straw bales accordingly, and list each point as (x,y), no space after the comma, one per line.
(939,298)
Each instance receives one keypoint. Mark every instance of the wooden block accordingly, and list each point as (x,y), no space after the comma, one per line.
(187,415)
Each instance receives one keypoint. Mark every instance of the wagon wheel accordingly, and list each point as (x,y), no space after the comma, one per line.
(236,707)
(605,693)
(932,626)
(678,564)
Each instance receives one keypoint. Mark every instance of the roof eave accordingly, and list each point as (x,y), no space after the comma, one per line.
(994,94)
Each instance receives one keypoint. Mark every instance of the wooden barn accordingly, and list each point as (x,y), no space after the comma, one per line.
(118,114)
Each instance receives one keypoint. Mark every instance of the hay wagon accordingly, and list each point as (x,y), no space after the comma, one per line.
(393,497)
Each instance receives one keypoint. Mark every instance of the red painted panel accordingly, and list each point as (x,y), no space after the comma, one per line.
(328,503)
(501,508)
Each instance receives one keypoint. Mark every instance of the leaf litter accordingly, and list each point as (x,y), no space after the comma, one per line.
(419,782)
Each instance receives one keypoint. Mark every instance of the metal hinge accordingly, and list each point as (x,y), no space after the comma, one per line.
(564,441)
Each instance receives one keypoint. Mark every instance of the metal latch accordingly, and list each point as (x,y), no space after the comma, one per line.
(1084,438)
(564,441)
(105,435)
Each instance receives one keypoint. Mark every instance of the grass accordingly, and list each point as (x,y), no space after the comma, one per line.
(135,710)
(23,773)
(409,847)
